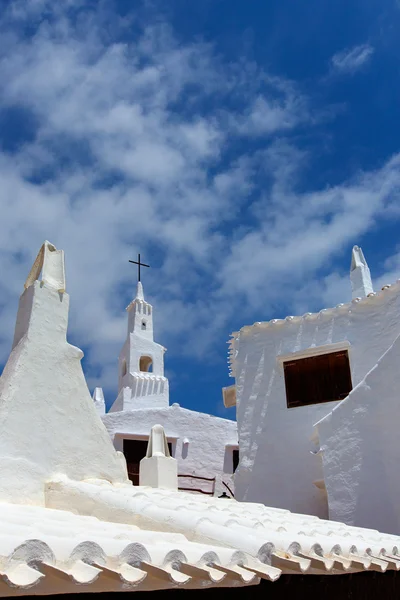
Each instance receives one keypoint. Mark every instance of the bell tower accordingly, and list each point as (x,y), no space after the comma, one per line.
(141,381)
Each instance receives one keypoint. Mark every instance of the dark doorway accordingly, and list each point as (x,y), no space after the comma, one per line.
(235,459)
(134,451)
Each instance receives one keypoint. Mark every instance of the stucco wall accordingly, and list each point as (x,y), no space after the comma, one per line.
(277,466)
(360,450)
(206,453)
(48,421)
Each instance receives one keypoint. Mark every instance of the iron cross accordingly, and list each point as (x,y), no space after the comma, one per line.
(139,264)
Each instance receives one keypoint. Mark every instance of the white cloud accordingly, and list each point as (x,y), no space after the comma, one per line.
(352,59)
(148,145)
(299,233)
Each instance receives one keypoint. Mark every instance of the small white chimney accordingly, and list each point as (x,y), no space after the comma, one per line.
(158,469)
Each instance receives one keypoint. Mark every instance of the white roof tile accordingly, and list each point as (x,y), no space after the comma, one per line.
(183,541)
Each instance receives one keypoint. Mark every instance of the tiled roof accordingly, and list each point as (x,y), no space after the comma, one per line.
(232,347)
(155,539)
(148,539)
(42,548)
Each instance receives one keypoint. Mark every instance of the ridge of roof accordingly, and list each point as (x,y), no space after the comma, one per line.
(308,315)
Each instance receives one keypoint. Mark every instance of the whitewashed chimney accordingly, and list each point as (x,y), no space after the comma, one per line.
(99,402)
(360,276)
(158,469)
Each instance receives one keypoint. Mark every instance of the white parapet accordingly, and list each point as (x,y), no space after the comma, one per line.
(158,469)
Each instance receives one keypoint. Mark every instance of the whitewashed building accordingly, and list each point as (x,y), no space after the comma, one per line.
(337,369)
(71,522)
(205,446)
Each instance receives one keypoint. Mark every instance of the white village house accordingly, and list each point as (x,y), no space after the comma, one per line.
(318,408)
(71,521)
(205,446)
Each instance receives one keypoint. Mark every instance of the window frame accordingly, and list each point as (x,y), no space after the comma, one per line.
(294,400)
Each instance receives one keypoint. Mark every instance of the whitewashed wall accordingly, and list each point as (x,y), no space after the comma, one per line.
(277,466)
(361,451)
(44,397)
(205,455)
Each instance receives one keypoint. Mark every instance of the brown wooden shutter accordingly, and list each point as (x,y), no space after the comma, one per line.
(292,383)
(341,375)
(317,379)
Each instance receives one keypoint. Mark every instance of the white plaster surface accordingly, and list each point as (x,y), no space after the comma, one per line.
(359,442)
(207,453)
(47,418)
(277,466)
(49,263)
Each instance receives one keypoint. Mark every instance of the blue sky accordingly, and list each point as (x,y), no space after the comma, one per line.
(242,147)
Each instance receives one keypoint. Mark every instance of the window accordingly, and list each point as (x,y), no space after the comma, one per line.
(123,368)
(317,379)
(146,364)
(143,324)
(235,459)
(134,451)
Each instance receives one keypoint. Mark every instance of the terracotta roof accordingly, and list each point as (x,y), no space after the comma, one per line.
(232,347)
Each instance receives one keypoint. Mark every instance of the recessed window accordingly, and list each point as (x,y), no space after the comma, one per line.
(317,379)
(143,324)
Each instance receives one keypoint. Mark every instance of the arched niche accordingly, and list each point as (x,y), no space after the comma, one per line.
(146,364)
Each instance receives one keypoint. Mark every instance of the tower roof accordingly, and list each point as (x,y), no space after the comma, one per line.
(357,258)
(139,291)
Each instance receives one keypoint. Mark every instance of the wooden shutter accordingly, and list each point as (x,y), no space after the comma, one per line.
(317,379)
(292,383)
(340,374)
